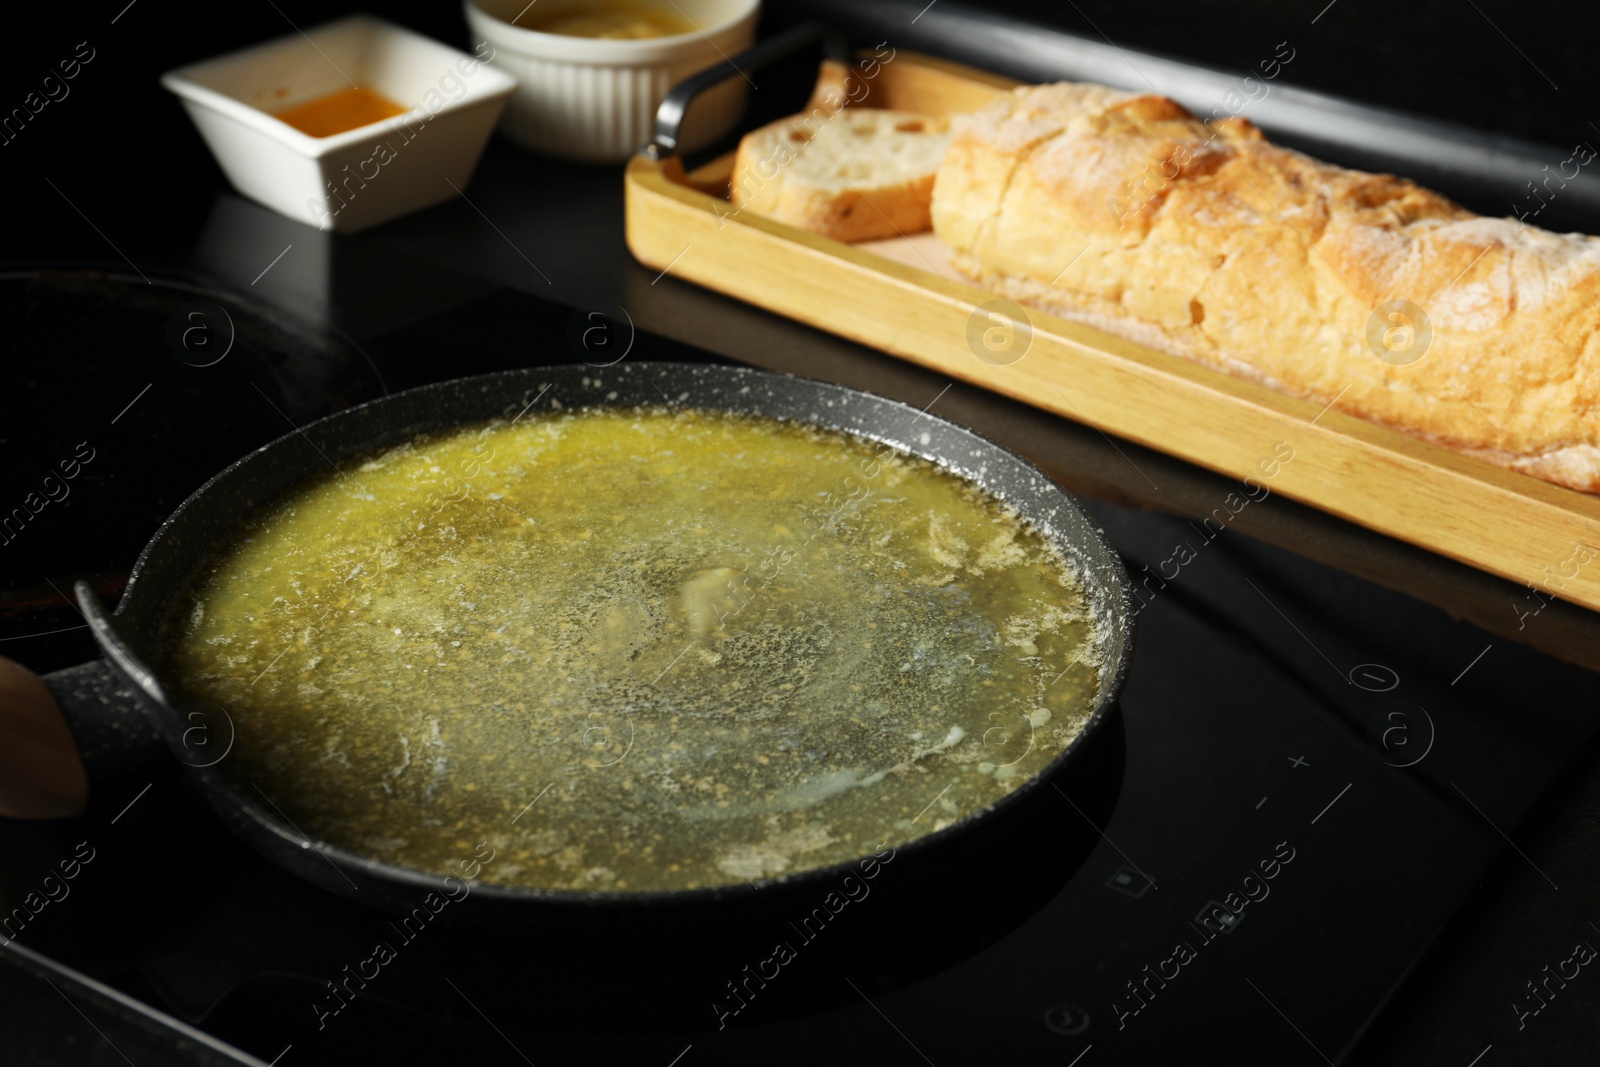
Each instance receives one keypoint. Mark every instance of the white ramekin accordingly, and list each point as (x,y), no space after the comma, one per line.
(364,176)
(590,99)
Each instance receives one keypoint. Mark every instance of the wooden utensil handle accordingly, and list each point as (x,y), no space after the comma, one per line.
(41,774)
(86,744)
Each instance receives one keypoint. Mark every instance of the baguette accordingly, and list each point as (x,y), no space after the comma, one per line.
(1125,212)
(856,175)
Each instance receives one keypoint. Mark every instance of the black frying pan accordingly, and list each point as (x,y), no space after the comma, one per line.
(112,733)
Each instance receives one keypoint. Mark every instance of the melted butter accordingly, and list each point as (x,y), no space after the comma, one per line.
(613,21)
(337,112)
(707,649)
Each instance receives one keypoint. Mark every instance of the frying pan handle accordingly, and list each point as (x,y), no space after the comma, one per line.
(115,648)
(121,749)
(669,116)
(126,726)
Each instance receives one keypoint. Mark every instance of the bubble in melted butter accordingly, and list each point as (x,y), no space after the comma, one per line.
(637,650)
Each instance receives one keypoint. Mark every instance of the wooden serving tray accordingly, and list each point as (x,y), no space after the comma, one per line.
(901,297)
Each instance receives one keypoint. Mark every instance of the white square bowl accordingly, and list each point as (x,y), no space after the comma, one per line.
(364,176)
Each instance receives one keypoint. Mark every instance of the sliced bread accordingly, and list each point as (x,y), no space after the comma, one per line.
(854,175)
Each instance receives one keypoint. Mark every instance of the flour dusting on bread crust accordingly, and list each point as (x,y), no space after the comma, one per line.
(1126,212)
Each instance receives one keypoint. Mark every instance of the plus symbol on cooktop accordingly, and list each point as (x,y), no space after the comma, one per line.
(1298,761)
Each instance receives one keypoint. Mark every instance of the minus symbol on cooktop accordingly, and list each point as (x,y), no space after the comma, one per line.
(1260,802)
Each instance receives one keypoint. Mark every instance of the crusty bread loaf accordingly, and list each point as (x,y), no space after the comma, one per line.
(1126,212)
(854,175)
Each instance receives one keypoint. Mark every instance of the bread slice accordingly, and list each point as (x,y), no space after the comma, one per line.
(1126,212)
(854,175)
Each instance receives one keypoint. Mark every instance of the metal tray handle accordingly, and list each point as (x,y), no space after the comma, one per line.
(669,116)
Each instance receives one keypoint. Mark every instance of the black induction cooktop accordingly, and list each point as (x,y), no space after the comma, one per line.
(1313,766)
(1312,773)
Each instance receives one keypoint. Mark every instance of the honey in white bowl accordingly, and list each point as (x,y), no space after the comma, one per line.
(347,109)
